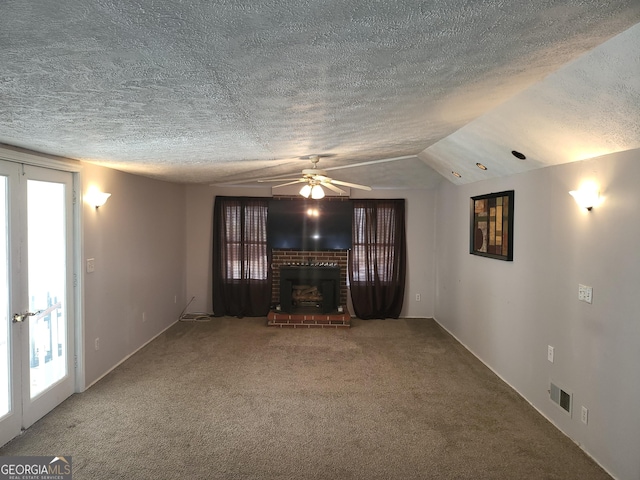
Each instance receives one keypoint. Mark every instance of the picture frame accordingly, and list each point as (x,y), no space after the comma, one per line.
(491,232)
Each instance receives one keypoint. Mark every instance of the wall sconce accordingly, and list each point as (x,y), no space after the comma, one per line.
(95,197)
(587,196)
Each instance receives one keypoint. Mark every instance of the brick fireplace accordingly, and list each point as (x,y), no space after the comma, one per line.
(322,275)
(306,288)
(300,257)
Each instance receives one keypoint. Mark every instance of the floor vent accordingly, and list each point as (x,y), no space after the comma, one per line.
(560,397)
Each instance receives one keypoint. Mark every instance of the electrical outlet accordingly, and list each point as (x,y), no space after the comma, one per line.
(585,293)
(97,343)
(417,297)
(588,296)
(550,353)
(91,265)
(584,417)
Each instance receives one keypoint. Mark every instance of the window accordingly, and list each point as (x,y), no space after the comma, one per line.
(377,261)
(241,260)
(374,231)
(245,241)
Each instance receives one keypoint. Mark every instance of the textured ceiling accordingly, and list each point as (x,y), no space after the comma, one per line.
(224,91)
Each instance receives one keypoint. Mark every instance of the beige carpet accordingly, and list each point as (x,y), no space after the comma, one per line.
(234,399)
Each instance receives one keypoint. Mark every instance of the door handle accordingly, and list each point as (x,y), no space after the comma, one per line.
(20,317)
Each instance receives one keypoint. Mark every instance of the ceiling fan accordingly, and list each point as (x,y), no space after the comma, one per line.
(314,179)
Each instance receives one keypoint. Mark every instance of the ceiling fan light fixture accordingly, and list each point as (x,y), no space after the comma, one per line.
(313,179)
(317,192)
(305,191)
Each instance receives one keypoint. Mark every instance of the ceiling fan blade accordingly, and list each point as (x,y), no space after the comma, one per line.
(321,178)
(265,180)
(371,162)
(352,185)
(333,187)
(289,183)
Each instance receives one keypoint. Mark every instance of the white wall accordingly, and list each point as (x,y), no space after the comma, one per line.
(420,215)
(507,313)
(138,242)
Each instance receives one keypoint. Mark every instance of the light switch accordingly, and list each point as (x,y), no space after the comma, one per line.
(91,265)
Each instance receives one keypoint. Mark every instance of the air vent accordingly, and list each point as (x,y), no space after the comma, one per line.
(560,397)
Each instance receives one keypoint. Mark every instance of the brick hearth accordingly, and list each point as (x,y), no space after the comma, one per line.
(286,320)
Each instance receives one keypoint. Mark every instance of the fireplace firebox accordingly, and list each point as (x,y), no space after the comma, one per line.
(309,287)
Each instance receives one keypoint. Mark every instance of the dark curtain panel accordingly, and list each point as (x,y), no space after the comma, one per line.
(377,264)
(241,273)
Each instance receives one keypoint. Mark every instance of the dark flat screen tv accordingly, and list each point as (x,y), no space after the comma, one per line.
(307,224)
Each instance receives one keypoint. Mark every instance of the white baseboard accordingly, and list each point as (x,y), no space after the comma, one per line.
(129,356)
(522,396)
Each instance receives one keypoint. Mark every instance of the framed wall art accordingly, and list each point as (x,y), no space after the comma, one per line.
(492,225)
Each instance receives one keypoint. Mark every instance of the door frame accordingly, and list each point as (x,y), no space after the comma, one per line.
(20,156)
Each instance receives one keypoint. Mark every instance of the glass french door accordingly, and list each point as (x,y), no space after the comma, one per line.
(36,294)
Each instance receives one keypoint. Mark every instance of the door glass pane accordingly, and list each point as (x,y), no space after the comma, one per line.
(47,293)
(5,322)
